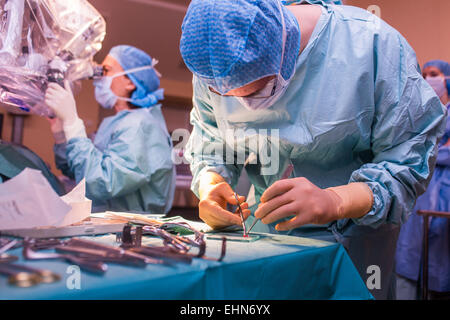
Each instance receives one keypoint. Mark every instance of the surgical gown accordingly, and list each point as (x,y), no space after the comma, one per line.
(356,110)
(409,246)
(128,167)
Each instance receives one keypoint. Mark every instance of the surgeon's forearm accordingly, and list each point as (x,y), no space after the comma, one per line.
(207,181)
(75,129)
(353,200)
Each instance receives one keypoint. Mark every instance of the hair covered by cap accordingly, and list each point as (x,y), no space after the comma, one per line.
(146,81)
(443,66)
(230,43)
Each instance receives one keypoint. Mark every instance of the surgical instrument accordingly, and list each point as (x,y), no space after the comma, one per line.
(101,256)
(106,253)
(47,276)
(241,214)
(162,252)
(42,244)
(253,224)
(8,246)
(286,174)
(7,258)
(175,247)
(20,278)
(91,266)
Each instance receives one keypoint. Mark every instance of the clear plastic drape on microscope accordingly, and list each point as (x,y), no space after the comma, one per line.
(44,41)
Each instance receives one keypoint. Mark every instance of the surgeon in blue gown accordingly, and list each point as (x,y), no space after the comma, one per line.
(332,91)
(436,198)
(129,165)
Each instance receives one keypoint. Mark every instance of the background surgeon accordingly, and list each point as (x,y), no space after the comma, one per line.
(409,255)
(354,117)
(129,165)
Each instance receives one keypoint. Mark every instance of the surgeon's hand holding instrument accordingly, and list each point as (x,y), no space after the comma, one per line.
(215,195)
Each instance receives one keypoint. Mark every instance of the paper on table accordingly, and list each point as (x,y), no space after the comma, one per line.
(81,206)
(133,217)
(151,218)
(77,194)
(28,201)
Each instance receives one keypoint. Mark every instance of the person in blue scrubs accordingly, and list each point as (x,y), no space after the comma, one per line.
(129,165)
(330,90)
(437,198)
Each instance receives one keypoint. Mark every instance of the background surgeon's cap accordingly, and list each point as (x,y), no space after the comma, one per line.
(230,43)
(146,81)
(443,66)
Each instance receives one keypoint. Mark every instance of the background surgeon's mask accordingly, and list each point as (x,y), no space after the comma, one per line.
(438,85)
(275,88)
(103,93)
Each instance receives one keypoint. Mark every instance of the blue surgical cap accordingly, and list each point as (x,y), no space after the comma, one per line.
(146,81)
(231,43)
(288,2)
(443,66)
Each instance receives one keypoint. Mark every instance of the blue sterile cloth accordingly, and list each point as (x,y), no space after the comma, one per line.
(312,269)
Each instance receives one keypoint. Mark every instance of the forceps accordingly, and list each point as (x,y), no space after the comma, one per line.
(6,258)
(285,175)
(8,246)
(241,214)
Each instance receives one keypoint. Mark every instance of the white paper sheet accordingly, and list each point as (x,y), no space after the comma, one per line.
(80,205)
(28,201)
(145,218)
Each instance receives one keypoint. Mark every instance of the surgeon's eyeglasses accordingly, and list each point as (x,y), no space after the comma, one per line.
(264,93)
(98,72)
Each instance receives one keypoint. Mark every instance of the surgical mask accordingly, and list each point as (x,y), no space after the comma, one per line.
(275,88)
(438,85)
(103,93)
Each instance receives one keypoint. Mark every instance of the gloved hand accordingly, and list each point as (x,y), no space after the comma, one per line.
(215,193)
(310,204)
(56,127)
(62,102)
